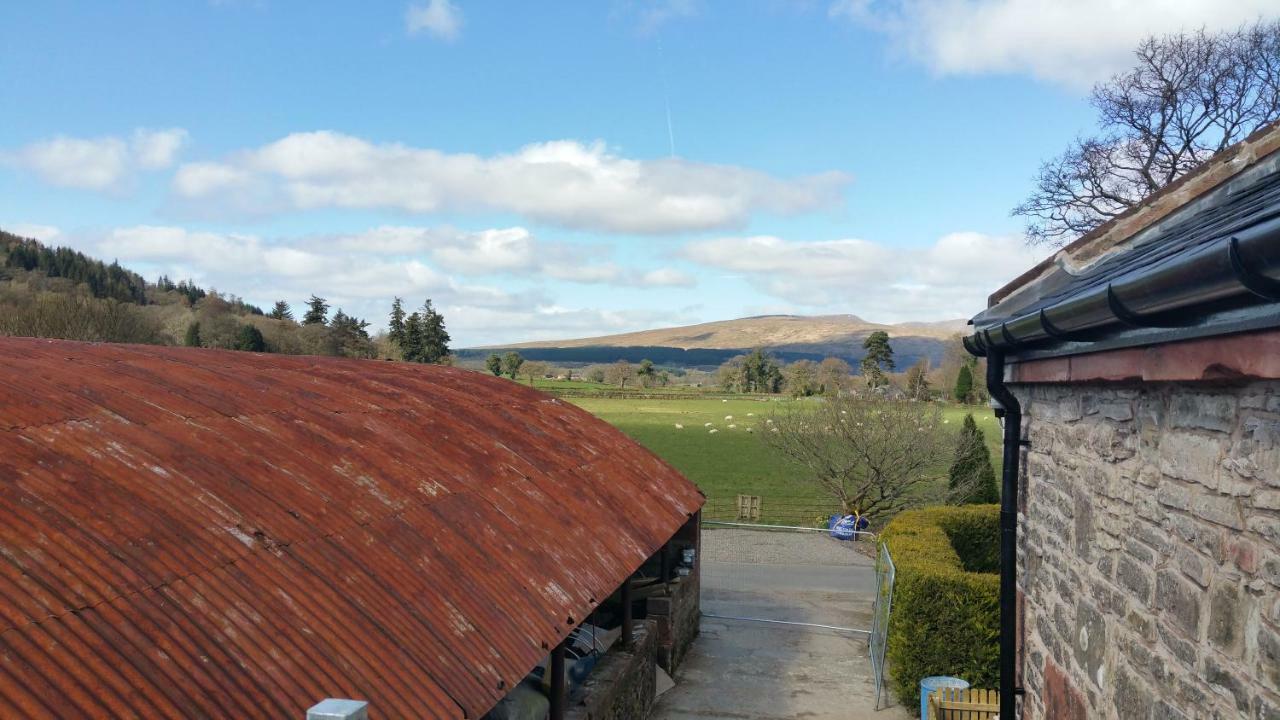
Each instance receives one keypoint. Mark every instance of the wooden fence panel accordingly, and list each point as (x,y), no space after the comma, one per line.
(964,704)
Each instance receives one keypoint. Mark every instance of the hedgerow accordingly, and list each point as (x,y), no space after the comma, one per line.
(946,613)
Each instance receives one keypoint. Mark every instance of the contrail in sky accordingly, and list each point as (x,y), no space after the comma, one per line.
(666,98)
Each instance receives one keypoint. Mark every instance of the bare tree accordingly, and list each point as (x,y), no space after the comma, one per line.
(1189,96)
(534,369)
(876,457)
(619,373)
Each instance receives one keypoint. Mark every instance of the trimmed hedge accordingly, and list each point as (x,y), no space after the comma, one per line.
(946,609)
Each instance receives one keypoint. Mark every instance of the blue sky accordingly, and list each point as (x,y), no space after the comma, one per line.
(514,162)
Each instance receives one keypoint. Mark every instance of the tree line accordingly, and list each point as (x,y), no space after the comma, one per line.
(62,293)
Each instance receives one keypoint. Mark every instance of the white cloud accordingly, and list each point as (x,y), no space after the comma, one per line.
(948,279)
(1075,43)
(98,163)
(650,15)
(493,283)
(440,18)
(43,233)
(157,149)
(563,182)
(510,251)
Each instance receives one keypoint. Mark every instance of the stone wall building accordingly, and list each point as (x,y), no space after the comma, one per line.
(1146,362)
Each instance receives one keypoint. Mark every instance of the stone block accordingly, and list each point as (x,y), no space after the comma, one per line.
(1218,509)
(1062,700)
(1203,412)
(1269,656)
(1191,456)
(1180,600)
(1227,618)
(1266,500)
(1089,642)
(1132,698)
(1136,578)
(1194,566)
(1215,673)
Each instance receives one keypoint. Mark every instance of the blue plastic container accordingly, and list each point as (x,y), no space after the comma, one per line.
(929,684)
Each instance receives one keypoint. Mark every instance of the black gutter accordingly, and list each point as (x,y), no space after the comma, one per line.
(1009,409)
(1167,293)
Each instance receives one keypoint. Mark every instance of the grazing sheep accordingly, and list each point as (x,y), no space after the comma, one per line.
(724,401)
(751,430)
(768,421)
(679,426)
(732,426)
(706,424)
(712,431)
(728,417)
(751,414)
(773,429)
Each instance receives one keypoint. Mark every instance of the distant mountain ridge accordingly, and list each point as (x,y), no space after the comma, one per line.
(790,337)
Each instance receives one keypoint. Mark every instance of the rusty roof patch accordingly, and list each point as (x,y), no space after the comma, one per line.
(197,533)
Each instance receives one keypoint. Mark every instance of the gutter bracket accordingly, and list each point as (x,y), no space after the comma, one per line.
(1052,330)
(1256,283)
(1131,318)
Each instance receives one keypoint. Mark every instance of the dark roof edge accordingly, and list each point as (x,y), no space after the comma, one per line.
(1212,174)
(1244,265)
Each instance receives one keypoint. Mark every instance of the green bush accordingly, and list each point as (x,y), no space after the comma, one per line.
(946,618)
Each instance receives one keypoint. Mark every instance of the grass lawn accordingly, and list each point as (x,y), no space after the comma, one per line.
(733,461)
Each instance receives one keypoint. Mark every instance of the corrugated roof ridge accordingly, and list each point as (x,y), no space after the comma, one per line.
(271,547)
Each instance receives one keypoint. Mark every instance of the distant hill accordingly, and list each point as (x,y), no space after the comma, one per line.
(706,345)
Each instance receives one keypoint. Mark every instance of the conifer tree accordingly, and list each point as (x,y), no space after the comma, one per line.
(964,384)
(192,338)
(249,338)
(317,311)
(395,326)
(281,311)
(971,472)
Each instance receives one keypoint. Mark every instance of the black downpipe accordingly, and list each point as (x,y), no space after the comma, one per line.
(1008,408)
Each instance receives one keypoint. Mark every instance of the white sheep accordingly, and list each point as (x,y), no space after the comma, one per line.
(679,426)
(728,418)
(751,414)
(768,421)
(773,429)
(712,431)
(751,430)
(732,426)
(706,424)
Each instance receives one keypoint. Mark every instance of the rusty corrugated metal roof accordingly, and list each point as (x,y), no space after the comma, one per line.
(197,533)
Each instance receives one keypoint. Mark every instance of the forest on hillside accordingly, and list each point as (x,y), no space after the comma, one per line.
(62,293)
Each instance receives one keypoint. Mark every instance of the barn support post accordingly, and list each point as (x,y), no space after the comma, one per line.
(557,682)
(627,630)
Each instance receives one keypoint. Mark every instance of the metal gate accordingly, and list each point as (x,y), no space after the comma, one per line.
(877,642)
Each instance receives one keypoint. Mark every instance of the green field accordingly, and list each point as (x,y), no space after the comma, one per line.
(734,461)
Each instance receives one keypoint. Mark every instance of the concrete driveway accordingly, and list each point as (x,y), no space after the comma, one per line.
(756,671)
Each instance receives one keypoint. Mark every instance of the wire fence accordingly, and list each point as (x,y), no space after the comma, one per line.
(798,511)
(886,574)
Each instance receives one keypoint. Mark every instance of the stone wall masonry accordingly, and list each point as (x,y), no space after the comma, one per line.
(678,615)
(1149,550)
(623,685)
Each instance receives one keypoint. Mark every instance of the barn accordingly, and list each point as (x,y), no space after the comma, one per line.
(194,533)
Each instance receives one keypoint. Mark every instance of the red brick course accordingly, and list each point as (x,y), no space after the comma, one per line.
(1254,356)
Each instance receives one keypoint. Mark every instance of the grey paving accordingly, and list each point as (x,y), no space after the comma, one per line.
(753,671)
